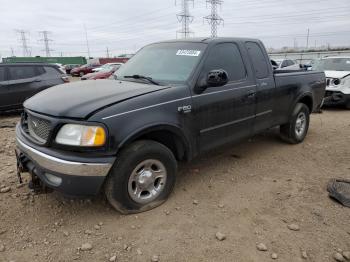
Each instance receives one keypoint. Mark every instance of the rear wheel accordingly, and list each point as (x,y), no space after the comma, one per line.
(295,130)
(142,178)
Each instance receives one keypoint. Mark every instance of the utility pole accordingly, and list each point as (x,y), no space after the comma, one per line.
(214,19)
(185,19)
(87,41)
(307,38)
(107,52)
(23,39)
(46,40)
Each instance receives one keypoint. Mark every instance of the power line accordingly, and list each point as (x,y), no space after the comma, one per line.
(23,39)
(214,19)
(46,40)
(185,19)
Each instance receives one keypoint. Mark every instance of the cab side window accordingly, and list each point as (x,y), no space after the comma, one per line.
(22,72)
(258,59)
(226,56)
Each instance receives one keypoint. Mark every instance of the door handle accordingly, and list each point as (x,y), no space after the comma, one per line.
(251,94)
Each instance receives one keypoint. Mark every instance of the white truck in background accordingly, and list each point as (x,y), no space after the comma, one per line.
(337,70)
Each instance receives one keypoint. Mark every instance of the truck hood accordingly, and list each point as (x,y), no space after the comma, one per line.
(79,99)
(337,74)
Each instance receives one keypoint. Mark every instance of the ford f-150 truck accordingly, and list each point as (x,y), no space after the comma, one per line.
(172,101)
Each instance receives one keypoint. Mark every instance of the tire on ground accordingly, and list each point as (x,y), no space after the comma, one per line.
(116,186)
(289,131)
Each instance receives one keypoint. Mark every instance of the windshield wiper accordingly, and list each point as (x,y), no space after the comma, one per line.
(149,79)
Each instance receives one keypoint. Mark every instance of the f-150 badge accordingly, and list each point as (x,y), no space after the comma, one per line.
(184,109)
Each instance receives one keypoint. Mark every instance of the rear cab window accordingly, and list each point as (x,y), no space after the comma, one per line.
(258,60)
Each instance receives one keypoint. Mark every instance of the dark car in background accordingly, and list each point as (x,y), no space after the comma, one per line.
(69,67)
(19,81)
(83,70)
(103,74)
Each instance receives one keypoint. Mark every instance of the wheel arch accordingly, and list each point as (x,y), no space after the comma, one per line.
(307,100)
(167,134)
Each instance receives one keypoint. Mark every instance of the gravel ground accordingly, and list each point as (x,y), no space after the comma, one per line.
(261,200)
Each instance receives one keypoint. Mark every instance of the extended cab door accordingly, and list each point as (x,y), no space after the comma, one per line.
(265,91)
(226,113)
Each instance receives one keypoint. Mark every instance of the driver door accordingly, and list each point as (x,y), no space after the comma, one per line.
(226,113)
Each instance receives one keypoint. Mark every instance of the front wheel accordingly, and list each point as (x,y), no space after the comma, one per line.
(142,178)
(295,130)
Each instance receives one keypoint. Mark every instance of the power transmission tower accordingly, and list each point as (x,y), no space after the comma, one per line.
(87,41)
(23,39)
(214,19)
(307,38)
(46,40)
(12,52)
(185,19)
(107,52)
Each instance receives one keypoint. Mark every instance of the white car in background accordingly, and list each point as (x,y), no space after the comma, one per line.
(61,67)
(337,70)
(106,67)
(285,64)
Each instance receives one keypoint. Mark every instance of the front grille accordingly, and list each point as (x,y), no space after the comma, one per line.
(38,128)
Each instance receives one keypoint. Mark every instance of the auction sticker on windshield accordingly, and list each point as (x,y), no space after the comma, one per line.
(188,52)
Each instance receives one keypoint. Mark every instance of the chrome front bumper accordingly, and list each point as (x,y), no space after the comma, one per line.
(61,166)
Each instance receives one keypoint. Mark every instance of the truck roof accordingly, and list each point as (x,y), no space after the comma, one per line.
(209,40)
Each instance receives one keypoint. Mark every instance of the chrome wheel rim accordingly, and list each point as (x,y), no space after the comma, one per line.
(147,181)
(300,124)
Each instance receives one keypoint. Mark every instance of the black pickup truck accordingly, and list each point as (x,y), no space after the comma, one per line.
(172,101)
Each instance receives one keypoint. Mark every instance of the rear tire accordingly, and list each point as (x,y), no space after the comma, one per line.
(142,178)
(295,131)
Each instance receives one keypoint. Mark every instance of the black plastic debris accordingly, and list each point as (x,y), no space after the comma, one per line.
(339,189)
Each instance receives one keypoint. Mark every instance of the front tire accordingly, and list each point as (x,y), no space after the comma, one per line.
(295,131)
(142,178)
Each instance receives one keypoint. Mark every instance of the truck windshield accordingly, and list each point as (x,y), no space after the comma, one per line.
(163,62)
(333,64)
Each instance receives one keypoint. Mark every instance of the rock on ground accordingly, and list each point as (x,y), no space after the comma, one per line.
(220,236)
(261,247)
(86,247)
(294,227)
(339,257)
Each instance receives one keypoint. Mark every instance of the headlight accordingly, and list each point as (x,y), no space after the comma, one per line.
(80,135)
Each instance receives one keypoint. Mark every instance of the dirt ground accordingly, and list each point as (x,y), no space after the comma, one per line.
(250,192)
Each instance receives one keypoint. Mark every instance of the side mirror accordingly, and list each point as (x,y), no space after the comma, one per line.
(217,78)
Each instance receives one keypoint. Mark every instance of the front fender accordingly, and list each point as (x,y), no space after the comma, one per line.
(158,126)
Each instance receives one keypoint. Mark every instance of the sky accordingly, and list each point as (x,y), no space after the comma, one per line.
(125,26)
